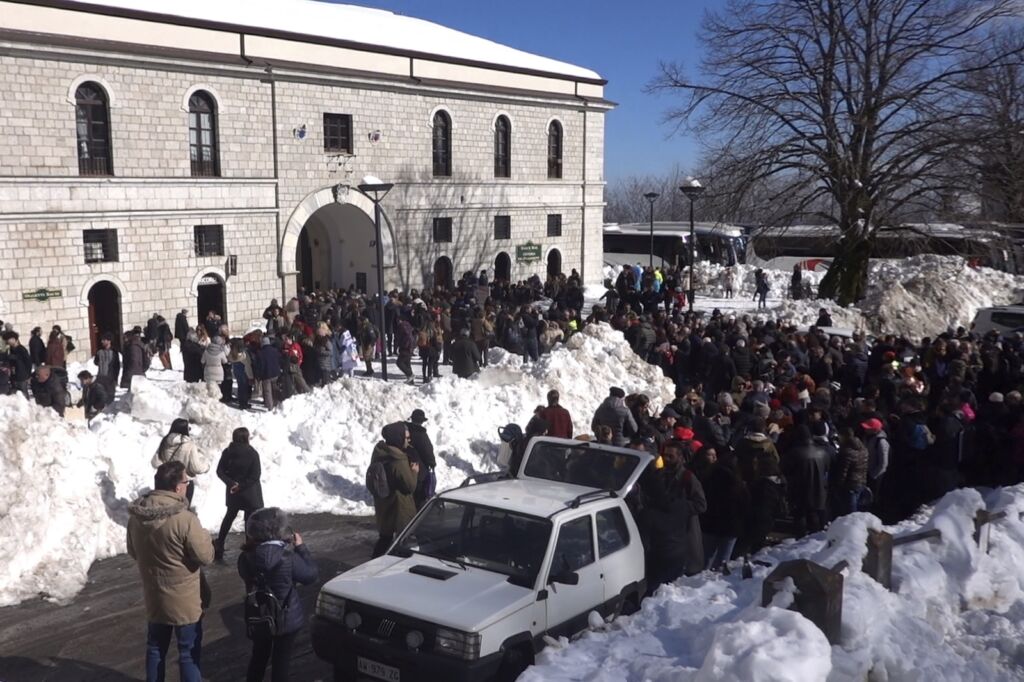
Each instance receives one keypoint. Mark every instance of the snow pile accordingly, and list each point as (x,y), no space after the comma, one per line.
(956,613)
(925,295)
(67,486)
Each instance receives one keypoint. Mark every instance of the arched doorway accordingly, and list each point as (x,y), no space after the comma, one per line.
(502,267)
(336,250)
(443,273)
(104,314)
(554,263)
(211,295)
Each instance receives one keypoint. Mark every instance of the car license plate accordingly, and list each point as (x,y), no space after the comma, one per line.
(378,670)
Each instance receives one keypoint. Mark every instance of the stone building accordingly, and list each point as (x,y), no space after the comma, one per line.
(211,158)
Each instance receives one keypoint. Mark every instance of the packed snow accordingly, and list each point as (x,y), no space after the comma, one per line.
(955,613)
(352,23)
(67,485)
(914,297)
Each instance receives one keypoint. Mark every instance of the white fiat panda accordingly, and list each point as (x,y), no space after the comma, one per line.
(484,572)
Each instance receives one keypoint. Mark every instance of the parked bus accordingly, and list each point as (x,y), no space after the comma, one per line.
(815,246)
(629,244)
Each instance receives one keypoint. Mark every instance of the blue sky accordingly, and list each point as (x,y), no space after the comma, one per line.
(622,41)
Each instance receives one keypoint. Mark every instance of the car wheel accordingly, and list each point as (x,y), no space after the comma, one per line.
(629,605)
(513,664)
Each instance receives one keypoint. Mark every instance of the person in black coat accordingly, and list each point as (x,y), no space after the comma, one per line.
(192,358)
(465,356)
(181,327)
(37,347)
(275,557)
(48,389)
(94,395)
(419,440)
(20,362)
(805,465)
(239,468)
(728,507)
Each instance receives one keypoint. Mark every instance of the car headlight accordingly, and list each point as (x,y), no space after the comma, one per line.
(465,645)
(330,606)
(414,639)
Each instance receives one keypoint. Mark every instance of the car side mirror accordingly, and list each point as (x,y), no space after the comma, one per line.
(566,578)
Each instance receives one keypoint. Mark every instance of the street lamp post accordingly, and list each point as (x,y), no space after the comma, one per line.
(651,196)
(376,191)
(692,189)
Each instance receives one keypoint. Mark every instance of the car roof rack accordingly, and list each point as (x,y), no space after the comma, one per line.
(484,478)
(590,497)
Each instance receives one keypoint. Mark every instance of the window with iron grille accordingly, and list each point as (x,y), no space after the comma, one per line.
(555,225)
(442,230)
(502,148)
(442,145)
(338,133)
(555,150)
(202,135)
(209,240)
(502,227)
(92,124)
(100,246)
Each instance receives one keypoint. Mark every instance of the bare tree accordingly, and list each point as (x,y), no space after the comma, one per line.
(994,109)
(845,104)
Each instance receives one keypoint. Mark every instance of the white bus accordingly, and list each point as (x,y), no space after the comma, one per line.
(815,246)
(629,244)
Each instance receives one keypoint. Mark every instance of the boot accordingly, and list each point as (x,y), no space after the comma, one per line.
(218,551)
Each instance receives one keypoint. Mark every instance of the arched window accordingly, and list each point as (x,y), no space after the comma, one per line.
(442,145)
(502,148)
(555,150)
(92,123)
(202,135)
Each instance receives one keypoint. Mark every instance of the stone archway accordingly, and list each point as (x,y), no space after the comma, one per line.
(339,194)
(502,267)
(104,296)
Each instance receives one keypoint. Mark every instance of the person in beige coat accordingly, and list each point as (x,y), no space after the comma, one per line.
(170,546)
(177,446)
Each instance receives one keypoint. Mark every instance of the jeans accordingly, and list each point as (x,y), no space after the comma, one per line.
(268,392)
(717,550)
(274,650)
(242,380)
(404,363)
(190,643)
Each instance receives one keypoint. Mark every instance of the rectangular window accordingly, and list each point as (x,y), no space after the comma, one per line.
(555,225)
(442,230)
(338,133)
(209,240)
(575,546)
(612,531)
(502,227)
(100,246)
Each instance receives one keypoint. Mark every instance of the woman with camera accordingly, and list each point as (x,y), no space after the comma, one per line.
(272,563)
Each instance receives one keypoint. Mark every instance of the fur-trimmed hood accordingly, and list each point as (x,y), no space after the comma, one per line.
(157,506)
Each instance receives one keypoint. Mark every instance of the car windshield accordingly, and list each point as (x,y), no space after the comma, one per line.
(580,465)
(472,535)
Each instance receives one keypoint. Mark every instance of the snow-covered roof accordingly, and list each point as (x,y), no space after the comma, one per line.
(353,24)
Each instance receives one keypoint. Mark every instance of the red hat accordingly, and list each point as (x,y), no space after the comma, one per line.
(775,404)
(871,425)
(683,433)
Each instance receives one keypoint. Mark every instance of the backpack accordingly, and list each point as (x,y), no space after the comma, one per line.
(377,481)
(921,437)
(264,612)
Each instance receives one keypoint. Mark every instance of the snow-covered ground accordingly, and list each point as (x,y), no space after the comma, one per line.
(67,485)
(955,613)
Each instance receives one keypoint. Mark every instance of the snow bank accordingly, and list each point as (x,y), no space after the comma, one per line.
(67,486)
(957,613)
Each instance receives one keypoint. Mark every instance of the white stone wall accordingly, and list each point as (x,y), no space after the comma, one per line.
(154,203)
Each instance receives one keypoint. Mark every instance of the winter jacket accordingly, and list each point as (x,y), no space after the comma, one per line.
(181,327)
(108,365)
(268,363)
(559,421)
(20,362)
(405,337)
(214,359)
(134,360)
(728,502)
(614,414)
(178,448)
(674,502)
(283,568)
(94,399)
(55,354)
(241,464)
(420,441)
(751,451)
(50,393)
(37,350)
(851,470)
(395,512)
(805,466)
(878,454)
(192,360)
(169,545)
(465,357)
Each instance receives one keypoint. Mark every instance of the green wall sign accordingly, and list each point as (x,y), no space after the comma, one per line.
(41,294)
(528,253)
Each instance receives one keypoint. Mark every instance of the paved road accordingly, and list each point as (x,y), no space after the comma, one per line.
(101,634)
